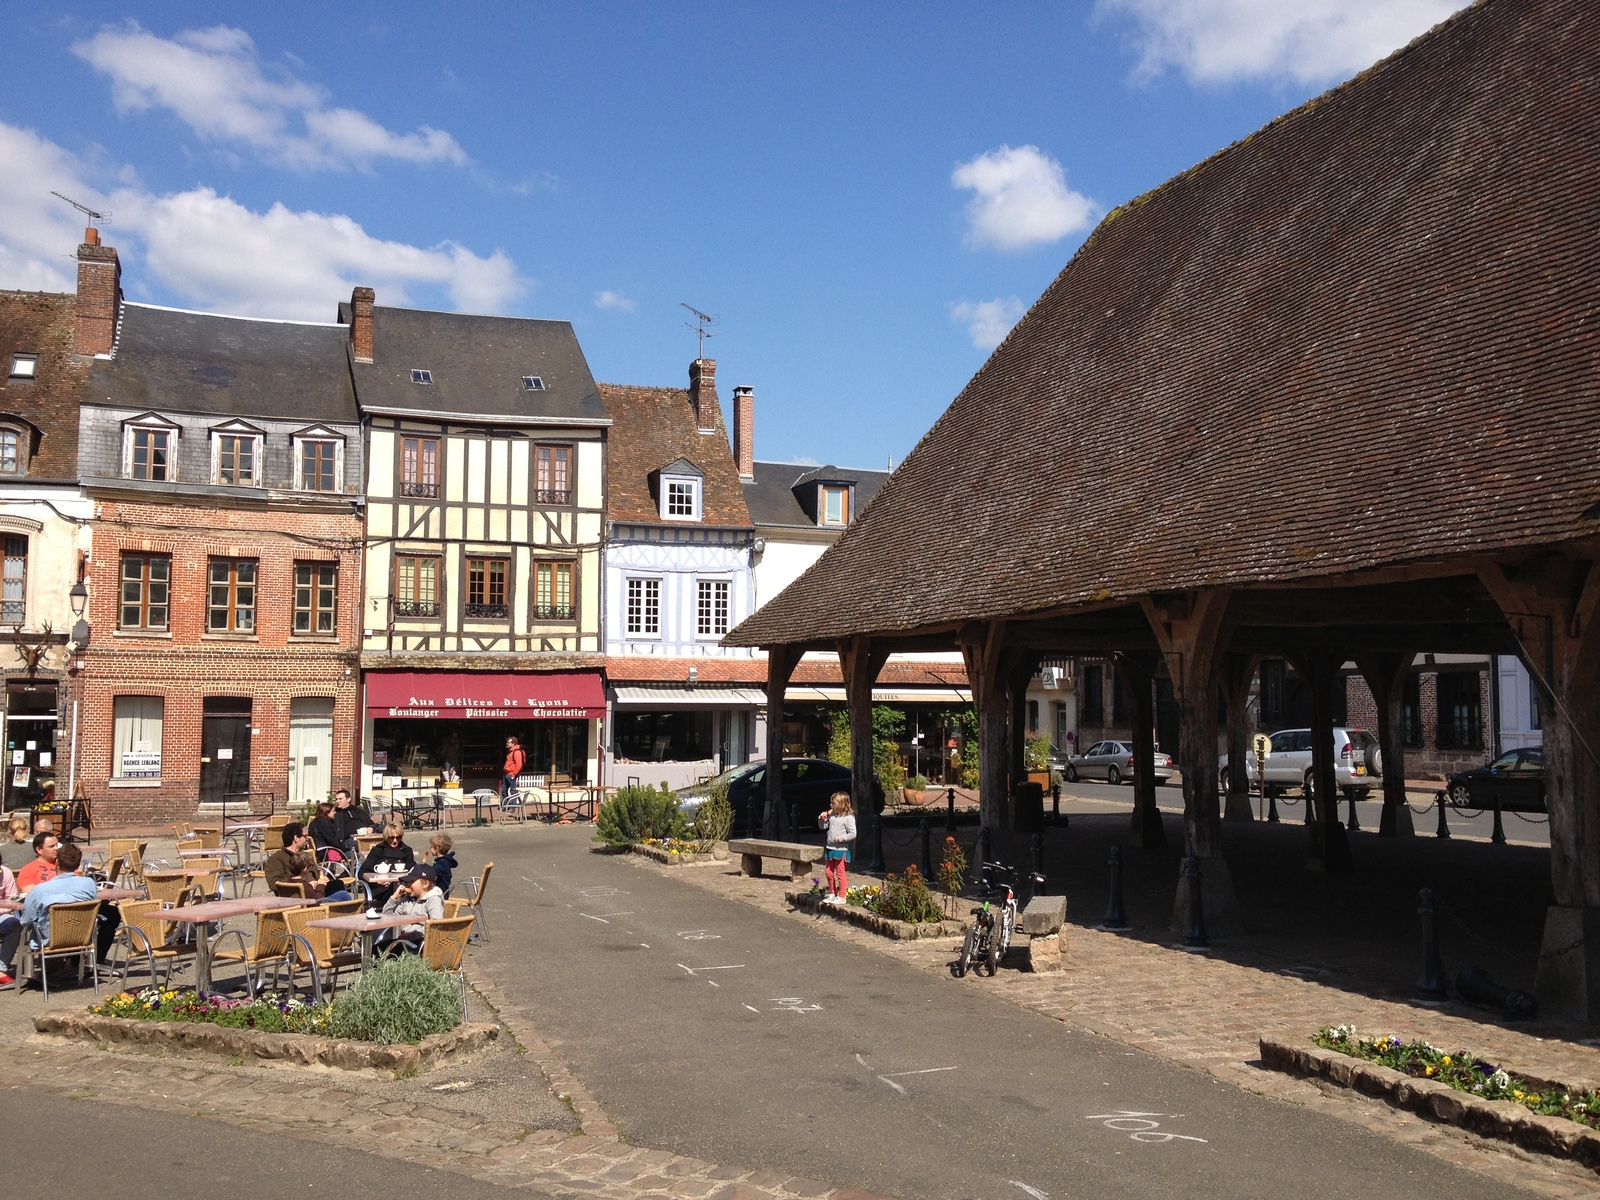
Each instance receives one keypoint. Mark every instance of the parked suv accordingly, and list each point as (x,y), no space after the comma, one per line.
(1356,762)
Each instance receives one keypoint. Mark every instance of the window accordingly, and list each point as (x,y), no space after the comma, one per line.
(136,737)
(316,593)
(24,366)
(1121,700)
(553,474)
(644,607)
(416,586)
(1033,718)
(231,598)
(1411,712)
(318,466)
(1060,709)
(680,498)
(1092,709)
(14,592)
(1460,711)
(711,608)
(553,591)
(664,736)
(532,383)
(236,459)
(486,588)
(419,467)
(835,505)
(151,457)
(146,583)
(11,456)
(418,375)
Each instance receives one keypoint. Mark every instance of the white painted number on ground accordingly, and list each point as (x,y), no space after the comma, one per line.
(1141,1126)
(793,1004)
(595,893)
(698,935)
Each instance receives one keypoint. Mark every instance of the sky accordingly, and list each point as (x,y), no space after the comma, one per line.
(865,196)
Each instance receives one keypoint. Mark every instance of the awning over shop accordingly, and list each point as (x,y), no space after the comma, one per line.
(471,695)
(806,694)
(695,697)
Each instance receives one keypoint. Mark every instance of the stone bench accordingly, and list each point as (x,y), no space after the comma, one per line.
(1042,921)
(752,850)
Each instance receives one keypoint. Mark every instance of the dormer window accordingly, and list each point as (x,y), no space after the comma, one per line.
(13,451)
(683,498)
(835,506)
(149,449)
(236,455)
(318,460)
(679,489)
(24,366)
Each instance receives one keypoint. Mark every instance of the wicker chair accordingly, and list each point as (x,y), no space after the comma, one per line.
(314,949)
(169,887)
(454,908)
(131,849)
(205,878)
(144,934)
(271,948)
(115,866)
(443,945)
(478,884)
(72,935)
(289,887)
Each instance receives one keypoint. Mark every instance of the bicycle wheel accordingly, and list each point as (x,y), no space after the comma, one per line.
(991,960)
(1008,926)
(969,948)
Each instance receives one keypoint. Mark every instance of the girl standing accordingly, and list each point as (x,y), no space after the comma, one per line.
(839,823)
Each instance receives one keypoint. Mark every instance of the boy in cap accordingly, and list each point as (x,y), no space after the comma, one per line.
(417,894)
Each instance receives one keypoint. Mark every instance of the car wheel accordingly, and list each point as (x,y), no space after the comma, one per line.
(1071,773)
(1308,785)
(1461,796)
(1113,776)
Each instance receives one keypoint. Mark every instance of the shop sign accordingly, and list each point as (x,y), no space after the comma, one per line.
(141,764)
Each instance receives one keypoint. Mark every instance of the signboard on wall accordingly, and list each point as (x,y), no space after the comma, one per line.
(141,764)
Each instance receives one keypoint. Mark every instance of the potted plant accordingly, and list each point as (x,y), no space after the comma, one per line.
(916,789)
(1036,757)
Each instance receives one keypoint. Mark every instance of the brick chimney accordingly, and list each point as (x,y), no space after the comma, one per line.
(99,296)
(361,301)
(703,393)
(744,431)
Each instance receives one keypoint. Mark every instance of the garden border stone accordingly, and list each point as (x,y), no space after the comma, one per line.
(667,858)
(1503,1120)
(904,931)
(295,1049)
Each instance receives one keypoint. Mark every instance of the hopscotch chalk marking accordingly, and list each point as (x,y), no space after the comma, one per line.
(1141,1128)
(1032,1191)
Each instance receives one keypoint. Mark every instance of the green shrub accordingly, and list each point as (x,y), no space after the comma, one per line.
(1036,754)
(714,818)
(893,778)
(906,898)
(918,783)
(637,813)
(401,999)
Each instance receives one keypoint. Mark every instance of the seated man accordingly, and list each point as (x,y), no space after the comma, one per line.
(46,846)
(417,895)
(295,863)
(67,886)
(349,819)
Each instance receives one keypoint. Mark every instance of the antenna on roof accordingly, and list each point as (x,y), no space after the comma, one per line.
(701,325)
(85,209)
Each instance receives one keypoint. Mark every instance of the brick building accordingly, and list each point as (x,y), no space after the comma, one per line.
(224,460)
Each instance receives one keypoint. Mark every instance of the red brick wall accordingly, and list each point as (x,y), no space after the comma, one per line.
(1427,761)
(273,667)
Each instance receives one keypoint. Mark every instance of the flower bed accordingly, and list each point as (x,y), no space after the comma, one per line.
(678,852)
(1464,1072)
(267,1014)
(864,918)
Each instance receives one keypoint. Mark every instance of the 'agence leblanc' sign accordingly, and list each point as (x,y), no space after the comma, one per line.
(470,707)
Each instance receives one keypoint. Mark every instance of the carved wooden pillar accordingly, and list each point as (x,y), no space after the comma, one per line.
(1385,673)
(1145,828)
(1553,606)
(1237,669)
(781,662)
(860,660)
(1329,848)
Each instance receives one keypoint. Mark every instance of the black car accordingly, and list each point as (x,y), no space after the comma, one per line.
(1516,779)
(807,782)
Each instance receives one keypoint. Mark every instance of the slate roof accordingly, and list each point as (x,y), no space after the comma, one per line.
(167,360)
(41,323)
(770,493)
(652,428)
(477,365)
(1367,334)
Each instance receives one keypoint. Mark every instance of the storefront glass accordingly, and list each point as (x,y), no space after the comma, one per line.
(427,752)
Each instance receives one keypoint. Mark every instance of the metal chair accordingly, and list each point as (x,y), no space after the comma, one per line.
(478,883)
(444,943)
(131,849)
(144,934)
(72,935)
(314,949)
(169,887)
(271,947)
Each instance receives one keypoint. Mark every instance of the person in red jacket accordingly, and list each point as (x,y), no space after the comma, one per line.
(513,767)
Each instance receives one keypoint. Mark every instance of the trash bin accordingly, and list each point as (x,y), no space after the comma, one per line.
(1028,808)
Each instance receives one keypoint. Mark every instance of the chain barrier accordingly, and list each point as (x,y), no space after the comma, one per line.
(1482,941)
(1545,820)
(892,840)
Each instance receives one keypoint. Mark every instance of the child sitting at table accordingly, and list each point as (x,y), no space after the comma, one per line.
(416,895)
(444,860)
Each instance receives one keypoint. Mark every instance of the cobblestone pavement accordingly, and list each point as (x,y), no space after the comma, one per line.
(1209,1013)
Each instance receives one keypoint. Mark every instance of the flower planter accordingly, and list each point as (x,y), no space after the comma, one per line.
(673,858)
(863,919)
(916,798)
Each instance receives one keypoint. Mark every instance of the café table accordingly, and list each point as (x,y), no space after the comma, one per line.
(113,893)
(367,927)
(219,910)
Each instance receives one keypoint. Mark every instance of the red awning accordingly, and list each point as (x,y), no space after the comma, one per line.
(471,695)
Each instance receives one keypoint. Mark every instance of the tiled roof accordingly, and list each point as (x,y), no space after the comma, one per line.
(773,501)
(653,427)
(41,323)
(1367,334)
(624,668)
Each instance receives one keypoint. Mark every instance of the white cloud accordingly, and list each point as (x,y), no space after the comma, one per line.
(210,251)
(613,300)
(213,81)
(1021,199)
(988,321)
(1308,41)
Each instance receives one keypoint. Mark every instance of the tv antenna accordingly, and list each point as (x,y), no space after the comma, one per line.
(701,325)
(85,209)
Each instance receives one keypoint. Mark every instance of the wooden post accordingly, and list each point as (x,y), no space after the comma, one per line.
(1553,607)
(986,675)
(781,662)
(861,660)
(1019,667)
(1145,829)
(1329,845)
(1385,673)
(1237,670)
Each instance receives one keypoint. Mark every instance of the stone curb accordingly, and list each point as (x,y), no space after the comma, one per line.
(298,1049)
(668,859)
(1502,1120)
(904,931)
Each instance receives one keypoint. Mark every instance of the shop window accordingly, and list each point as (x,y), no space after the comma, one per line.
(14,593)
(552,475)
(231,596)
(416,586)
(486,589)
(1411,712)
(644,607)
(1460,711)
(711,607)
(552,599)
(1091,706)
(146,588)
(664,736)
(136,737)
(319,466)
(419,467)
(316,594)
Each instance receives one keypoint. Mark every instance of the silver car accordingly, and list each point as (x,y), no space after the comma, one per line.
(1113,762)
(1357,762)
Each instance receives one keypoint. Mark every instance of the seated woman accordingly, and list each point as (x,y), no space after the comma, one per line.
(394,856)
(417,894)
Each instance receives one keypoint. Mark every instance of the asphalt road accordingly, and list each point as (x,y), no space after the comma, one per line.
(713,1029)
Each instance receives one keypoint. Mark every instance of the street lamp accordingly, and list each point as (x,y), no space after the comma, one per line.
(79,596)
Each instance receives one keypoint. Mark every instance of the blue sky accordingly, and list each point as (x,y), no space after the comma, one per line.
(866,196)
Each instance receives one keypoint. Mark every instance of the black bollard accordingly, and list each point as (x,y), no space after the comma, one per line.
(950,812)
(753,820)
(983,852)
(878,865)
(1444,825)
(1499,834)
(1272,805)
(1037,846)
(794,820)
(1431,986)
(1476,987)
(1197,916)
(1115,917)
(927,848)
(1353,825)
(1055,802)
